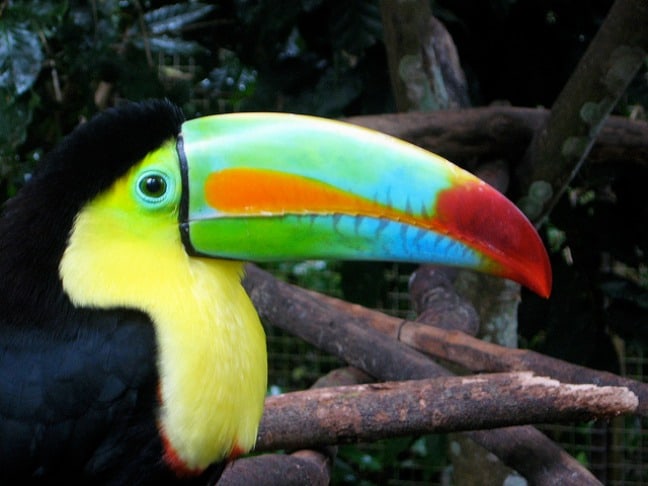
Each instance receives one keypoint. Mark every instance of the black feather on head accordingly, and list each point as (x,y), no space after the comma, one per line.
(35,224)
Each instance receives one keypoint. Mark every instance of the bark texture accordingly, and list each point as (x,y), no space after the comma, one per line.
(423,62)
(366,413)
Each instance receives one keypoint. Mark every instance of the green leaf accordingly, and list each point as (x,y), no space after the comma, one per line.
(232,82)
(333,92)
(173,18)
(170,45)
(21,56)
(355,24)
(41,14)
(170,20)
(14,119)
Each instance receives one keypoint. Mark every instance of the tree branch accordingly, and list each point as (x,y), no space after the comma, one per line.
(305,466)
(365,413)
(437,303)
(316,320)
(502,132)
(302,467)
(481,356)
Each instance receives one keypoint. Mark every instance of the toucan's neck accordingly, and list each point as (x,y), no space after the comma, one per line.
(211,346)
(212,366)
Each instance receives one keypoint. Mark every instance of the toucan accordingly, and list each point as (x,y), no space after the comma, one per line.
(129,350)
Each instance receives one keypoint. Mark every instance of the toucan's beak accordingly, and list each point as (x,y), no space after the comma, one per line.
(268,187)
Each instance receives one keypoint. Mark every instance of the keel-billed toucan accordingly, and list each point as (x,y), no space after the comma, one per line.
(129,351)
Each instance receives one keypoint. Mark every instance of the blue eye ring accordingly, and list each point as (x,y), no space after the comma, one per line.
(154,188)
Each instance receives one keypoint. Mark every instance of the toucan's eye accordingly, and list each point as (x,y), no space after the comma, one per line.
(153,186)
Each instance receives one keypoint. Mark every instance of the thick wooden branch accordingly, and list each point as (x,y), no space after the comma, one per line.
(503,132)
(302,467)
(303,314)
(306,466)
(481,356)
(365,413)
(315,320)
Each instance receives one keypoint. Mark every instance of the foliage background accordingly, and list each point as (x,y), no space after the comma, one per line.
(61,62)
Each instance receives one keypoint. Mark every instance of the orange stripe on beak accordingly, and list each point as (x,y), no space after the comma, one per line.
(257,192)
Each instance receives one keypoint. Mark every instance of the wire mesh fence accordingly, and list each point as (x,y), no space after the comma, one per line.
(615,451)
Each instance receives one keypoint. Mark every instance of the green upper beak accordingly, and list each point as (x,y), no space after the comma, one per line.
(268,187)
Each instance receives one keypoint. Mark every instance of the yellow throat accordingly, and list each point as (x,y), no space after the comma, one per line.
(211,346)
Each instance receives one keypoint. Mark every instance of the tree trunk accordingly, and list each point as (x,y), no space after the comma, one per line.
(563,143)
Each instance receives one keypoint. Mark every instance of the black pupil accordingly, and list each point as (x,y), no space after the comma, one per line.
(153,186)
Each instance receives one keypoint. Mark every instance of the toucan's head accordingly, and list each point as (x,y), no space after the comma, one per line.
(265,187)
(277,186)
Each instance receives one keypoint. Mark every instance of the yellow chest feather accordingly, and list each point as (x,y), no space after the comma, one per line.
(211,346)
